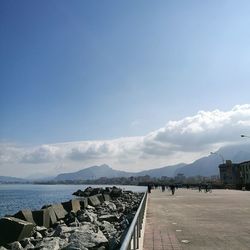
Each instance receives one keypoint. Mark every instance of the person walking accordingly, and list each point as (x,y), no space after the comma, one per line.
(149,188)
(172,187)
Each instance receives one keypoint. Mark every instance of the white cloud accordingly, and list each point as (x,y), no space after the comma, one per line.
(44,153)
(10,153)
(182,140)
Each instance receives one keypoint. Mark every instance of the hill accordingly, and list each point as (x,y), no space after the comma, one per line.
(104,170)
(164,171)
(9,179)
(207,166)
(94,172)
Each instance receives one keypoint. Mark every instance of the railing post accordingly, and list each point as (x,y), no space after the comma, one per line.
(139,225)
(134,231)
(129,246)
(138,233)
(134,240)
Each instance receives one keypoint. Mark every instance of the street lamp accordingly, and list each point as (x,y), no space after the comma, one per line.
(245,136)
(222,158)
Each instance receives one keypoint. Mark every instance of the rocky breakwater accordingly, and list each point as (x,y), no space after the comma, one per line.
(98,219)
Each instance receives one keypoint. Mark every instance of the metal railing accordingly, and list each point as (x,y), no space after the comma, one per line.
(131,241)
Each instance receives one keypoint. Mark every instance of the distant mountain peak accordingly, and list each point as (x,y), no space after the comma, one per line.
(205,166)
(94,172)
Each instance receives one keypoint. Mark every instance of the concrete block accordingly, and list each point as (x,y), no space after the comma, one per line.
(13,229)
(25,215)
(52,216)
(60,212)
(84,203)
(72,205)
(100,197)
(116,192)
(41,217)
(93,200)
(106,197)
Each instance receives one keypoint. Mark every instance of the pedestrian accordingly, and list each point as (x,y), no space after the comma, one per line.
(206,188)
(172,187)
(149,188)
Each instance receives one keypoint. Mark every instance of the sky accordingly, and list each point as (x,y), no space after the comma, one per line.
(134,84)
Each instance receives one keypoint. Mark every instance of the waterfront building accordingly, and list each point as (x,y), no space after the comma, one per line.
(244,170)
(229,173)
(235,174)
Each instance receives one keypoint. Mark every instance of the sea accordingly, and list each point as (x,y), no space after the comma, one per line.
(15,197)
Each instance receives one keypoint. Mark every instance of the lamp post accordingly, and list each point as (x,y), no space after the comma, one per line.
(245,136)
(222,158)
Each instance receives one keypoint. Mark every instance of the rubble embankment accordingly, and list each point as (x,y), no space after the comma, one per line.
(98,219)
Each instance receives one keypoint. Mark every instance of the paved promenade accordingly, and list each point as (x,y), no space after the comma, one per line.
(192,220)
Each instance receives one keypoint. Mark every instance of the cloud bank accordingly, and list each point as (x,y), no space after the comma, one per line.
(179,141)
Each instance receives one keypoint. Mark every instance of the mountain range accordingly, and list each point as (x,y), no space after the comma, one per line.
(94,172)
(104,170)
(9,179)
(205,166)
(208,166)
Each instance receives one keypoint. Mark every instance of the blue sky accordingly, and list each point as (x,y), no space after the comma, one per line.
(100,70)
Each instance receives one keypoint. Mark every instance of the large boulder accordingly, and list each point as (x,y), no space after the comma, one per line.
(85,215)
(87,236)
(79,192)
(42,230)
(63,231)
(51,243)
(96,191)
(13,229)
(109,218)
(89,191)
(116,192)
(108,229)
(78,246)
(16,246)
(26,243)
(110,205)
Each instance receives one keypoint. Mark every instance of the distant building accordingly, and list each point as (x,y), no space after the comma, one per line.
(237,174)
(244,170)
(229,173)
(165,178)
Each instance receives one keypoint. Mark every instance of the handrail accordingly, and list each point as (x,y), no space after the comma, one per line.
(134,231)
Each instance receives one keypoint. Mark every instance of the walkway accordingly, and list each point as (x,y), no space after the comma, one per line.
(204,221)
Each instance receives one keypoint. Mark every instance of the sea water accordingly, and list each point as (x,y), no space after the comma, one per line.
(14,197)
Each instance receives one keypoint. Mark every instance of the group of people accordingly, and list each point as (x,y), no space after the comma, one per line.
(206,187)
(172,187)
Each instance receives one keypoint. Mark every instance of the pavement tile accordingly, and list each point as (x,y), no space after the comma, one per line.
(209,221)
